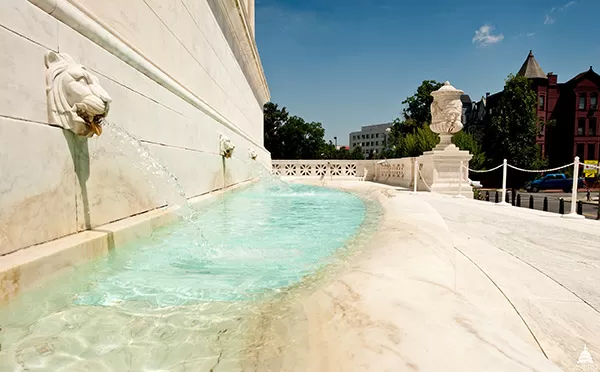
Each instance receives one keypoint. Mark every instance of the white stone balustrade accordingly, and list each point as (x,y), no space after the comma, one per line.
(440,173)
(332,169)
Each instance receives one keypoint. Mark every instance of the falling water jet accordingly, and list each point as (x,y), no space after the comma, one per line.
(149,163)
(265,175)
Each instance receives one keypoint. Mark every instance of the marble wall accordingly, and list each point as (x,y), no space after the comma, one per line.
(53,183)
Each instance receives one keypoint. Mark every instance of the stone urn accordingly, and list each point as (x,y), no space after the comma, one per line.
(446,114)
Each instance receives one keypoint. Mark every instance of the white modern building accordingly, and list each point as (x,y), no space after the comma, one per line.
(370,138)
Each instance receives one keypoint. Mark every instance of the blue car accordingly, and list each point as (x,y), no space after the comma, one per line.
(555,181)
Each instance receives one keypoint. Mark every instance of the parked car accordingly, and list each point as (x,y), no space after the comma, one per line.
(555,181)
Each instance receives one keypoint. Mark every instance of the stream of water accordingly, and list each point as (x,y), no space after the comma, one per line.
(160,178)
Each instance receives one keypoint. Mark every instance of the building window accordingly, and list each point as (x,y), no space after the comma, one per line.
(592,127)
(376,143)
(580,149)
(542,102)
(541,128)
(581,127)
(591,154)
(376,135)
(594,101)
(582,102)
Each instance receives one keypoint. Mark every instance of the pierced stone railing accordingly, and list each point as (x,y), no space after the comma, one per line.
(332,169)
(432,173)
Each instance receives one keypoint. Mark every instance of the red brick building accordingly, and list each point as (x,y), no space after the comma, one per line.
(570,109)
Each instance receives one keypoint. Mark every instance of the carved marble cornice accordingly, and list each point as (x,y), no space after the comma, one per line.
(235,25)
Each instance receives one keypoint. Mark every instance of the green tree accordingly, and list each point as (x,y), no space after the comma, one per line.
(410,135)
(466,141)
(418,105)
(301,140)
(328,151)
(343,154)
(357,153)
(274,119)
(513,130)
(415,144)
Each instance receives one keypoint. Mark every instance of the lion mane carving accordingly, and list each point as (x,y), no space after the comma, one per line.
(76,101)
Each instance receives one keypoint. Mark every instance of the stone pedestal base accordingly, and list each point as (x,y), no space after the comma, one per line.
(442,173)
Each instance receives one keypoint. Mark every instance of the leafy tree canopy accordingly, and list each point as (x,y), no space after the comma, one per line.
(418,105)
(291,137)
(513,129)
(466,141)
(357,153)
(301,140)
(274,119)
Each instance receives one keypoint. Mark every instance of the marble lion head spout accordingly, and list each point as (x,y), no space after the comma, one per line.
(252,154)
(227,146)
(76,101)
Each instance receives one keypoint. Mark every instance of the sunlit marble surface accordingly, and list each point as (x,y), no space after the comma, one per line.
(547,266)
(409,302)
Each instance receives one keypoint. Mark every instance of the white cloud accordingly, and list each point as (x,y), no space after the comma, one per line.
(548,20)
(484,36)
(563,7)
(569,4)
(528,34)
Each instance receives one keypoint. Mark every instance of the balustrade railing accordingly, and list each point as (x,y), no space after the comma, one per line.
(396,172)
(332,169)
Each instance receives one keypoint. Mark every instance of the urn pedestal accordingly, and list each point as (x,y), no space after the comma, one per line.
(445,171)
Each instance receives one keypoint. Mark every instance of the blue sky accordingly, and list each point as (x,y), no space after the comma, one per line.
(348,63)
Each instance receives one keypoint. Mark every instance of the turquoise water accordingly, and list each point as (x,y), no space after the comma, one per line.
(263,238)
(181,299)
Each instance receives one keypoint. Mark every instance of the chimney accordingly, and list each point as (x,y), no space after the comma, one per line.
(552,79)
(487,94)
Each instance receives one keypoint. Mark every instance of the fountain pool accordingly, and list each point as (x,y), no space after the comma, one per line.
(178,300)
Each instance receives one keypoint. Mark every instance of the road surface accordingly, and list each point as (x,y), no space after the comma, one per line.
(590,211)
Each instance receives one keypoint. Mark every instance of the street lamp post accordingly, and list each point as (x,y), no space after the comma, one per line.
(387,138)
(335,139)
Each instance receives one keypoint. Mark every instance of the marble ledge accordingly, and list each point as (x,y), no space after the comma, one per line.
(30,267)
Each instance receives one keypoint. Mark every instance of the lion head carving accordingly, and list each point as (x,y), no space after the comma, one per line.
(76,101)
(227,146)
